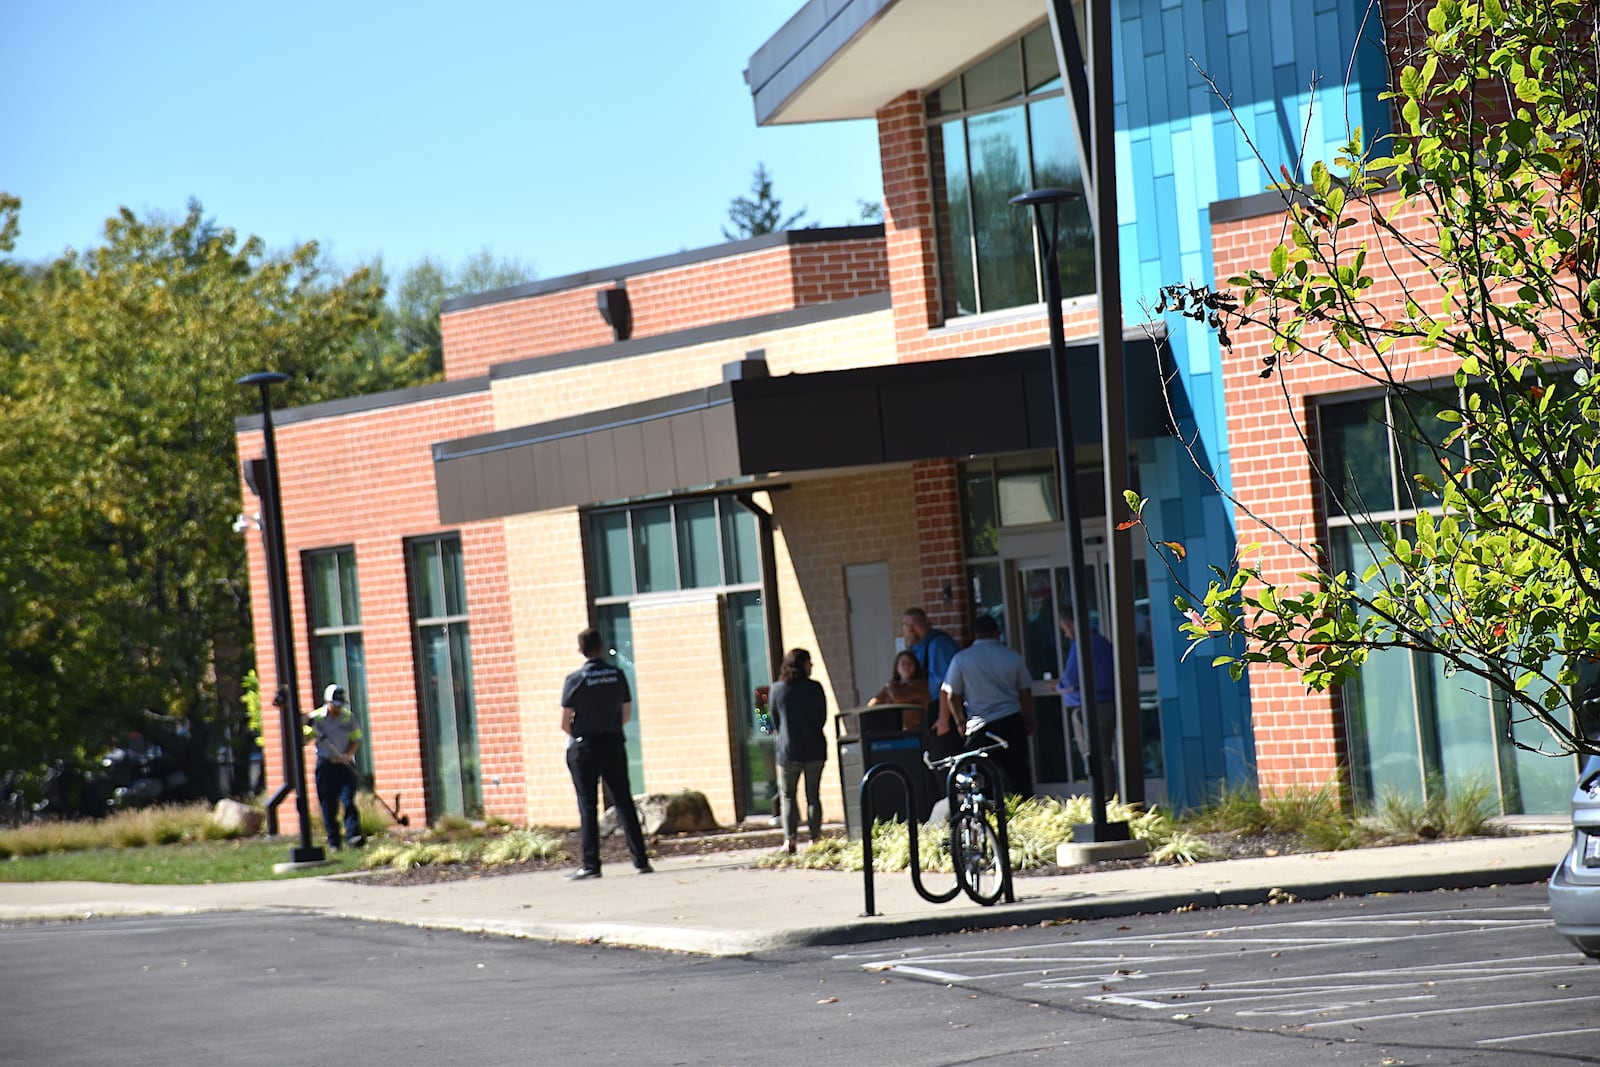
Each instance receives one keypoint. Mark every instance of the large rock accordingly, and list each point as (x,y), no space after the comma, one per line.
(666,813)
(237,819)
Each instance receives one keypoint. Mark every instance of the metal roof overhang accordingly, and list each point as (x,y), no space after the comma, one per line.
(749,428)
(845,59)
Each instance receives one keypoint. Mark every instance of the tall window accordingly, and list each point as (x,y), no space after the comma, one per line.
(337,655)
(444,676)
(997,129)
(707,543)
(1412,726)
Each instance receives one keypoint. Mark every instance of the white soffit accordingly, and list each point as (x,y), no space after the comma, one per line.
(806,75)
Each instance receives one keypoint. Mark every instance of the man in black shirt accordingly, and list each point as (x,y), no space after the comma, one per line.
(595,704)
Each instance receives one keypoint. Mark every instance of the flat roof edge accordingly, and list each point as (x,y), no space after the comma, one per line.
(813,235)
(802,48)
(393,398)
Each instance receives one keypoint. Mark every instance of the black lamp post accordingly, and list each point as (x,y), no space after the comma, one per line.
(282,622)
(1046,206)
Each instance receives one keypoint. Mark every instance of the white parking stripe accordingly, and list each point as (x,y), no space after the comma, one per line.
(1467,1009)
(926,972)
(1536,1037)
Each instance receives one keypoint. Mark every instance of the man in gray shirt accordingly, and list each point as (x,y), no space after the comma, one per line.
(988,690)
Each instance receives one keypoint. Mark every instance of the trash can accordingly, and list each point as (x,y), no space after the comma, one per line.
(872,735)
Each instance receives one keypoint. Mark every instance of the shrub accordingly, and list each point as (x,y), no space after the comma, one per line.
(1461,809)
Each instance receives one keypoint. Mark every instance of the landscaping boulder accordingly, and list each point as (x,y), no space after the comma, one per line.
(237,819)
(666,813)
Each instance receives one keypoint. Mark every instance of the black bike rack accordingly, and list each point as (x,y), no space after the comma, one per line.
(868,780)
(907,806)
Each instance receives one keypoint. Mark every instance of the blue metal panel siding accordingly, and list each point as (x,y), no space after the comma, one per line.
(1238,16)
(1179,150)
(1144,199)
(1161,152)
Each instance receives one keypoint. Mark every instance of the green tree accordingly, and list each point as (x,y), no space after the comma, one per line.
(413,323)
(1468,236)
(868,211)
(121,579)
(760,212)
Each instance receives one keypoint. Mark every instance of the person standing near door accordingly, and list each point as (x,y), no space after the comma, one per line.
(596,704)
(1103,713)
(934,649)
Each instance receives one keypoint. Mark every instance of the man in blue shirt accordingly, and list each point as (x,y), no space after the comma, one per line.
(934,649)
(1105,690)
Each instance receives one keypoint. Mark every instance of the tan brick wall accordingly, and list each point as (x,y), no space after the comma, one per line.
(857,341)
(684,732)
(701,293)
(549,606)
(823,526)
(366,480)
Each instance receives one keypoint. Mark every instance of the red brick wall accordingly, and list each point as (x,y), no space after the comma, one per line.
(371,474)
(1300,736)
(939,528)
(911,235)
(701,293)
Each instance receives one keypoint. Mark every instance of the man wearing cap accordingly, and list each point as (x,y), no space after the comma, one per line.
(337,734)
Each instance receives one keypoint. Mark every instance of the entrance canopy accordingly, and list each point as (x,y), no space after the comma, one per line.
(758,426)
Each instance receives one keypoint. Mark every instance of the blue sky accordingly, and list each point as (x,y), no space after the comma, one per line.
(568,134)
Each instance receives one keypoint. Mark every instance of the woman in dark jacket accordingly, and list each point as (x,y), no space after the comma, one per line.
(799,711)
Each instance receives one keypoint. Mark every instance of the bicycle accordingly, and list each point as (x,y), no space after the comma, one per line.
(979,845)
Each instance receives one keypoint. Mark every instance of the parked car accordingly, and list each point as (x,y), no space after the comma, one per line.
(1575,884)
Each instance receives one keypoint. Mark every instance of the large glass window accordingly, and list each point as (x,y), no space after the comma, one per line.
(444,676)
(338,656)
(1413,726)
(998,129)
(707,543)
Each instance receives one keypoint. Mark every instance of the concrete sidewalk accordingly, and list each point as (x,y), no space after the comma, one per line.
(718,904)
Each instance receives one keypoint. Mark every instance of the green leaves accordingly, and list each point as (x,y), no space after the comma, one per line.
(122,583)
(1478,260)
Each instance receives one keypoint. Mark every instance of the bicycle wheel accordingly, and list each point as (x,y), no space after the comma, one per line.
(975,852)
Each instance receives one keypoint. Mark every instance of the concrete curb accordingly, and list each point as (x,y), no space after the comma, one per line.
(719,905)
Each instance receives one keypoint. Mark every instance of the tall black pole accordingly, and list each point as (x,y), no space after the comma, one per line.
(283,623)
(1046,206)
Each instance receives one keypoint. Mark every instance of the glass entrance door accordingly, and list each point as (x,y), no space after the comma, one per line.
(1041,589)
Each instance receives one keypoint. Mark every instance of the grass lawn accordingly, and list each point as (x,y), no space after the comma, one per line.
(189,863)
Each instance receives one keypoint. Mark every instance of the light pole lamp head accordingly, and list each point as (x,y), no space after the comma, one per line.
(1045,196)
(263,378)
(1038,199)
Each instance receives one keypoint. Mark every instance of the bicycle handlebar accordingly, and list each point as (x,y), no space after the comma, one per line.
(950,761)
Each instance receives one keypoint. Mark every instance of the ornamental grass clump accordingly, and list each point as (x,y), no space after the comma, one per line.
(1314,819)
(520,846)
(1462,809)
(166,824)
(404,855)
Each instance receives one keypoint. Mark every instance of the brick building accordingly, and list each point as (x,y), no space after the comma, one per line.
(779,442)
